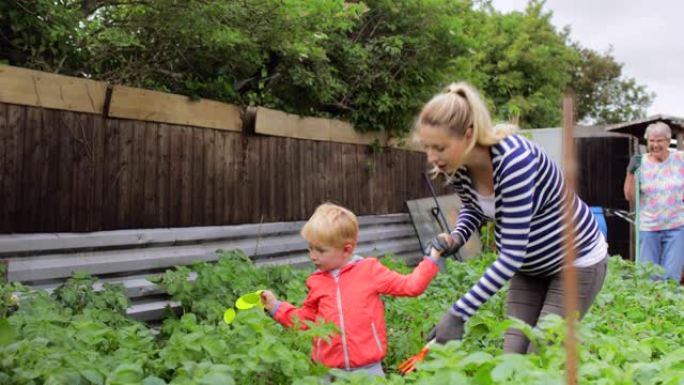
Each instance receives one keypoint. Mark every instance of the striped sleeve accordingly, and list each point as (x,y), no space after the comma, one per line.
(516,191)
(469,220)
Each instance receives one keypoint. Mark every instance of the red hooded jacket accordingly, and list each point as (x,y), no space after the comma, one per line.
(352,301)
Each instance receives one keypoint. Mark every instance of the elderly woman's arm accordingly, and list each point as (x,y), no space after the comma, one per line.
(629,187)
(630,181)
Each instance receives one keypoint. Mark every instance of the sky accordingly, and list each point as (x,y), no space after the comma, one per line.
(646,36)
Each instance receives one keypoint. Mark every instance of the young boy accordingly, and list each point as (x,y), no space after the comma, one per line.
(345,289)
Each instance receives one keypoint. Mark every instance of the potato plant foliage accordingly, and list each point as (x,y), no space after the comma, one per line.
(633,334)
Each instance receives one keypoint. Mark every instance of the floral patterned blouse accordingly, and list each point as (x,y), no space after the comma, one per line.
(661,203)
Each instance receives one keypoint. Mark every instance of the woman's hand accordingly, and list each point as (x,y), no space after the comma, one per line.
(444,243)
(449,328)
(268,299)
(634,163)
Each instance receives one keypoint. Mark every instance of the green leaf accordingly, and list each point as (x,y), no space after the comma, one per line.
(153,380)
(217,379)
(93,376)
(476,359)
(63,377)
(7,332)
(125,374)
(214,347)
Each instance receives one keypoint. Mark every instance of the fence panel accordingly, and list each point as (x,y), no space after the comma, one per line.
(71,171)
(602,165)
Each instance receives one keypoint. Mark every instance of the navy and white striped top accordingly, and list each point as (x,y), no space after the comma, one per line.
(528,190)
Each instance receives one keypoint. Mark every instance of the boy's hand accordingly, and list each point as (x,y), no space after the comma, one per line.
(434,253)
(268,299)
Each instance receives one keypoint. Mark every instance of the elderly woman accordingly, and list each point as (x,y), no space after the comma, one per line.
(661,201)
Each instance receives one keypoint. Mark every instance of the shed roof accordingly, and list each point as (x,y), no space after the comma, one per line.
(638,127)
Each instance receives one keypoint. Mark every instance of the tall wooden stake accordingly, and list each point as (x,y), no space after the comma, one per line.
(569,272)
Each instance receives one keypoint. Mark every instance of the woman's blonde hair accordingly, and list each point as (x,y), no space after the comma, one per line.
(459,107)
(331,225)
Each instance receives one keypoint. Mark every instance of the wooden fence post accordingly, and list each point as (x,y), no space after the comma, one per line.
(569,272)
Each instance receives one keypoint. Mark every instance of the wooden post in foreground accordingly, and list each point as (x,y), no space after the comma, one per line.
(569,272)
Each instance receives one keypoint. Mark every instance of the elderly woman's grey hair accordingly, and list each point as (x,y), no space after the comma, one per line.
(658,128)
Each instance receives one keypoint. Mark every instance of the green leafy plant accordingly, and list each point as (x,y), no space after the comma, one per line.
(78,294)
(632,335)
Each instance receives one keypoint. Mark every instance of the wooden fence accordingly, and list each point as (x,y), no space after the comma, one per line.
(602,165)
(69,171)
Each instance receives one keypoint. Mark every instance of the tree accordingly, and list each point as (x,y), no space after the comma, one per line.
(373,63)
(40,34)
(520,62)
(603,94)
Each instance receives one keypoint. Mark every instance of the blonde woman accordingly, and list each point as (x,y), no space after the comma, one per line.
(503,177)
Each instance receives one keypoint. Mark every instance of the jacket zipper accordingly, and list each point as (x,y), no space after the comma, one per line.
(318,349)
(344,337)
(375,335)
